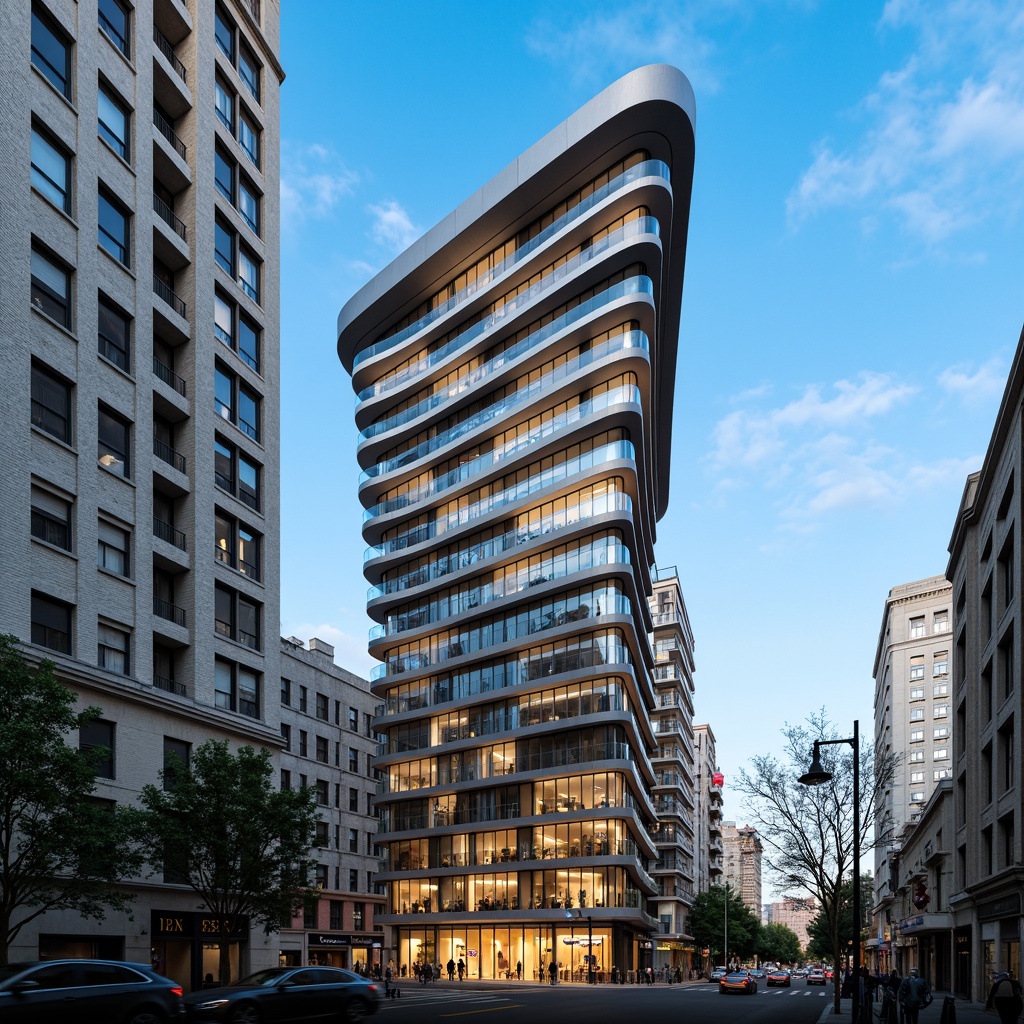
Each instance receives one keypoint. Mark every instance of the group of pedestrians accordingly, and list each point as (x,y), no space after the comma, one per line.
(903,999)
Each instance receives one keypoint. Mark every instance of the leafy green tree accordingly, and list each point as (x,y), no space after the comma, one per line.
(778,943)
(806,832)
(224,829)
(708,921)
(60,849)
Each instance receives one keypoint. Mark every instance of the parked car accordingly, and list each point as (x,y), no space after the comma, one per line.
(779,977)
(290,994)
(66,991)
(738,981)
(816,976)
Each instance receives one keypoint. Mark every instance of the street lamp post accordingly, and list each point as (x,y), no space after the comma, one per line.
(590,942)
(814,776)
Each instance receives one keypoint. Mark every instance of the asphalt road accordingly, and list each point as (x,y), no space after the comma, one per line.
(529,1003)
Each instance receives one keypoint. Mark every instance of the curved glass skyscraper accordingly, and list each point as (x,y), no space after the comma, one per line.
(515,371)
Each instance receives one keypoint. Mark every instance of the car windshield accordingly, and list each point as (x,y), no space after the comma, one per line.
(260,978)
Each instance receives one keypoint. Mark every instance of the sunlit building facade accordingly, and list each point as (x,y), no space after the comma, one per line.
(515,371)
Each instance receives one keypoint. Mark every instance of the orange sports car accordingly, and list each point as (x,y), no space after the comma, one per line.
(738,981)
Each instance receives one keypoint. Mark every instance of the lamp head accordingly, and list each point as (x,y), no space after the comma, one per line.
(816,774)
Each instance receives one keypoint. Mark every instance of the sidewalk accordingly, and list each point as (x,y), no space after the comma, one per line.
(963,1012)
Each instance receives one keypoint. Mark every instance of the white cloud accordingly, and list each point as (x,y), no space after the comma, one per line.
(942,135)
(392,228)
(754,436)
(628,35)
(986,382)
(314,181)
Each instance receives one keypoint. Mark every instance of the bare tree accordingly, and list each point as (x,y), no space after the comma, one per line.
(807,832)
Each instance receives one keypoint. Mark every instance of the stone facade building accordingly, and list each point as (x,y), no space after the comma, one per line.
(139,325)
(742,849)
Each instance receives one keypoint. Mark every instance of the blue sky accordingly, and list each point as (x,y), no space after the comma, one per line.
(854,294)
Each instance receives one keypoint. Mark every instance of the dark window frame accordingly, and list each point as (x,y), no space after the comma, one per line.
(120,38)
(48,186)
(111,347)
(46,413)
(44,298)
(51,622)
(60,80)
(106,446)
(121,146)
(119,243)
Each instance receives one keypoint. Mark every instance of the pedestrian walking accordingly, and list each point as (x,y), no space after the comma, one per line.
(553,972)
(451,969)
(914,995)
(387,980)
(461,967)
(519,970)
(1006,996)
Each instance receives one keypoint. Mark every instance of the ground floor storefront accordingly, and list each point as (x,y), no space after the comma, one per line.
(609,951)
(359,953)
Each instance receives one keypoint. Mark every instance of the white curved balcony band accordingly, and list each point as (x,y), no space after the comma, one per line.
(609,652)
(603,552)
(479,640)
(628,394)
(611,452)
(617,501)
(628,233)
(646,169)
(630,341)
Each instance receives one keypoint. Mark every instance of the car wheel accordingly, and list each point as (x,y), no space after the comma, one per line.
(356,1011)
(146,1016)
(245,1013)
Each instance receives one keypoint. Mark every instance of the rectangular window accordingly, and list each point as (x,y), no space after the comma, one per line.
(224,105)
(322,837)
(248,412)
(249,139)
(916,755)
(112,449)
(940,623)
(321,706)
(249,274)
(224,33)
(177,754)
(940,690)
(353,719)
(112,552)
(335,915)
(917,714)
(223,685)
(112,649)
(224,320)
(353,799)
(322,752)
(248,623)
(322,793)
(286,693)
(942,773)
(917,667)
(353,759)
(51,52)
(249,342)
(916,777)
(114,334)
(223,394)
(286,780)
(224,466)
(353,880)
(51,519)
(97,737)
(917,627)
(114,121)
(358,916)
(51,404)
(353,840)
(114,223)
(249,71)
(164,675)
(248,482)
(303,699)
(224,247)
(114,23)
(917,735)
(248,692)
(940,711)
(303,743)
(940,732)
(50,170)
(917,693)
(940,664)
(248,205)
(231,468)
(286,735)
(51,623)
(224,175)
(51,288)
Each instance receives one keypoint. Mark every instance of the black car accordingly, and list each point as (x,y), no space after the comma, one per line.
(65,991)
(288,994)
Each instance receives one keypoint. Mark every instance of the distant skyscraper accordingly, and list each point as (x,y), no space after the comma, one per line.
(913,714)
(515,372)
(743,863)
(710,850)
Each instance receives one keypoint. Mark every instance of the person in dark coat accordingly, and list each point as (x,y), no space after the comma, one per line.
(914,995)
(1006,996)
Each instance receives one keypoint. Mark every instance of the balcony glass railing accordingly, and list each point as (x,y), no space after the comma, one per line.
(631,286)
(630,341)
(579,466)
(647,169)
(447,564)
(624,395)
(582,557)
